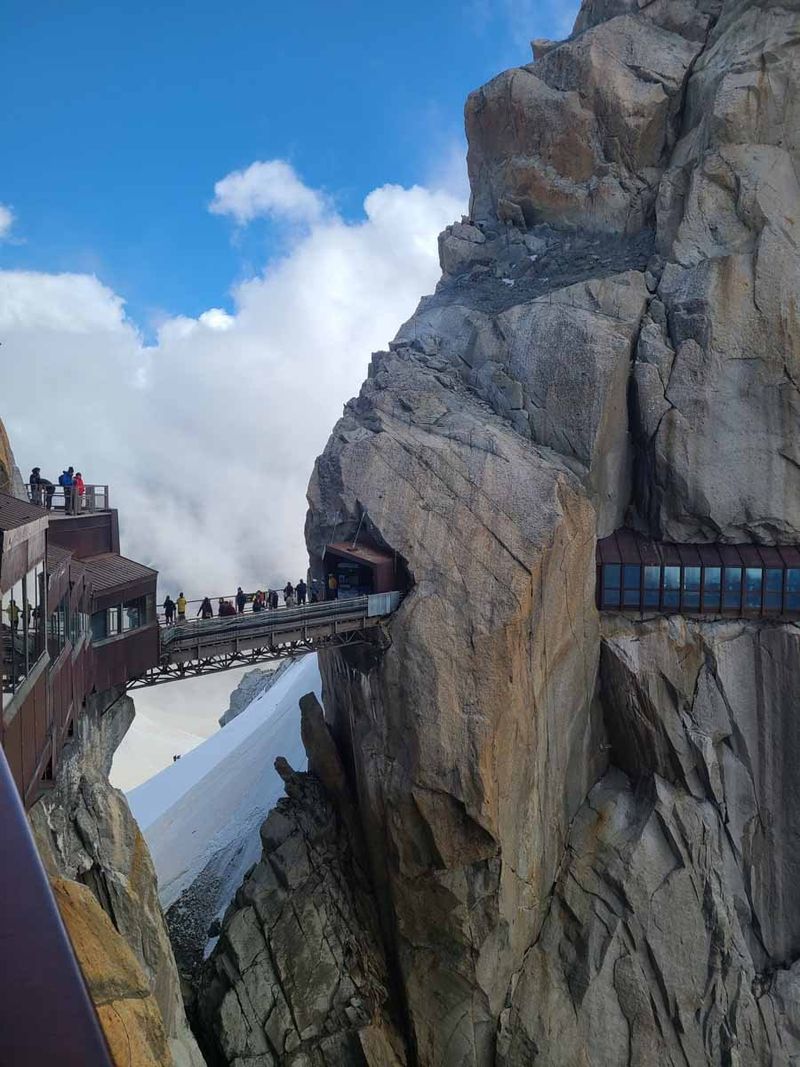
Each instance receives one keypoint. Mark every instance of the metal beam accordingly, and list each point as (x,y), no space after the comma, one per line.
(168,671)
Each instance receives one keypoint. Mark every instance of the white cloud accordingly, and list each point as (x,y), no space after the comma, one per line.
(267,189)
(6,221)
(208,437)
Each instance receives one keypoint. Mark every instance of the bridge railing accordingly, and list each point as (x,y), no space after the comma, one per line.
(268,622)
(69,502)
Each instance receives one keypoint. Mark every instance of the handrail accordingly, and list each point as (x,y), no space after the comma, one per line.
(47,1015)
(268,621)
(56,498)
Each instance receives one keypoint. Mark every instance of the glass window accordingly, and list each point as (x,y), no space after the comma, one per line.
(15,651)
(672,587)
(732,588)
(112,622)
(57,636)
(753,577)
(773,589)
(712,588)
(99,626)
(132,614)
(652,586)
(612,574)
(632,580)
(691,589)
(792,601)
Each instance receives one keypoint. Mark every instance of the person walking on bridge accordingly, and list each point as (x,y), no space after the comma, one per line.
(333,587)
(241,600)
(181,606)
(301,589)
(205,610)
(288,595)
(273,599)
(169,610)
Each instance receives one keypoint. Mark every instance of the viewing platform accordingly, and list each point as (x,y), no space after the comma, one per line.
(207,646)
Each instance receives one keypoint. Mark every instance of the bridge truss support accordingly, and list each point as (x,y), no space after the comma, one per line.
(228,660)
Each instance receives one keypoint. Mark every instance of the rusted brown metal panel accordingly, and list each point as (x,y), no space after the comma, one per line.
(86,535)
(124,657)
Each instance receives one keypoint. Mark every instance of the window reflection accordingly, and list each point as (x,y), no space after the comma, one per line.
(612,575)
(691,588)
(632,580)
(672,587)
(732,588)
(773,589)
(22,626)
(792,600)
(752,588)
(712,588)
(652,586)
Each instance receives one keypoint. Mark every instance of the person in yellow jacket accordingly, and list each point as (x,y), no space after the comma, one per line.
(13,613)
(181,606)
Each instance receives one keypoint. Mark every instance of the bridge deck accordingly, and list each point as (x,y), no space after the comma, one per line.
(200,647)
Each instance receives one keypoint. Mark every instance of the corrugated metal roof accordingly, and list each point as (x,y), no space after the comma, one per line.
(14,513)
(55,557)
(107,571)
(361,553)
(627,546)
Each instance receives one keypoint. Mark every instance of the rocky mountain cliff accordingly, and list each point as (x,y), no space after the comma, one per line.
(106,889)
(579,835)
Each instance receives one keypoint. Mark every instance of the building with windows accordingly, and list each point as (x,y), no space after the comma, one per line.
(635,574)
(78,619)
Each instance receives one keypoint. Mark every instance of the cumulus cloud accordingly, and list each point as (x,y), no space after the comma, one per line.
(270,189)
(6,221)
(208,436)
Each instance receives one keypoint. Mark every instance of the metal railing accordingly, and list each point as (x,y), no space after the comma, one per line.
(68,501)
(47,1014)
(269,621)
(193,606)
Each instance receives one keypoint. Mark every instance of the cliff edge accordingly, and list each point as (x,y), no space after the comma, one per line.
(579,833)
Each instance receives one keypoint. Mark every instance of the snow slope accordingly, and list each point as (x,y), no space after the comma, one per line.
(201,816)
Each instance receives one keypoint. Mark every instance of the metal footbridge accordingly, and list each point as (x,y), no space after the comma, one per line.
(199,647)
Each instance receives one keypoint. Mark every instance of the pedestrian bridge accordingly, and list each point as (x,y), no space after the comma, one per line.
(192,649)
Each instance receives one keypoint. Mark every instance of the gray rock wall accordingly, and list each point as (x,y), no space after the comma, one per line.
(85,832)
(583,850)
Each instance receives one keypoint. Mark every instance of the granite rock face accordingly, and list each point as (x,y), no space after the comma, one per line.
(85,833)
(581,843)
(717,377)
(299,973)
(674,930)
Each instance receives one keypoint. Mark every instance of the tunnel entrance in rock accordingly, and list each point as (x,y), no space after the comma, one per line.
(362,568)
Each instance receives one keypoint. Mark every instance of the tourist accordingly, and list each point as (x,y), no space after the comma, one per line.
(333,587)
(35,485)
(181,606)
(226,608)
(288,595)
(258,601)
(78,489)
(273,599)
(301,589)
(65,481)
(13,613)
(169,610)
(205,610)
(241,600)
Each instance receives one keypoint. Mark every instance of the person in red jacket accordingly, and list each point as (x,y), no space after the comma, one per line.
(78,490)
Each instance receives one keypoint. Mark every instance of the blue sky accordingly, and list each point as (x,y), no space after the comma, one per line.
(121,117)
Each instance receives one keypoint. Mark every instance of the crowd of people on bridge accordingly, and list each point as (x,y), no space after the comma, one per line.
(42,490)
(298,595)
